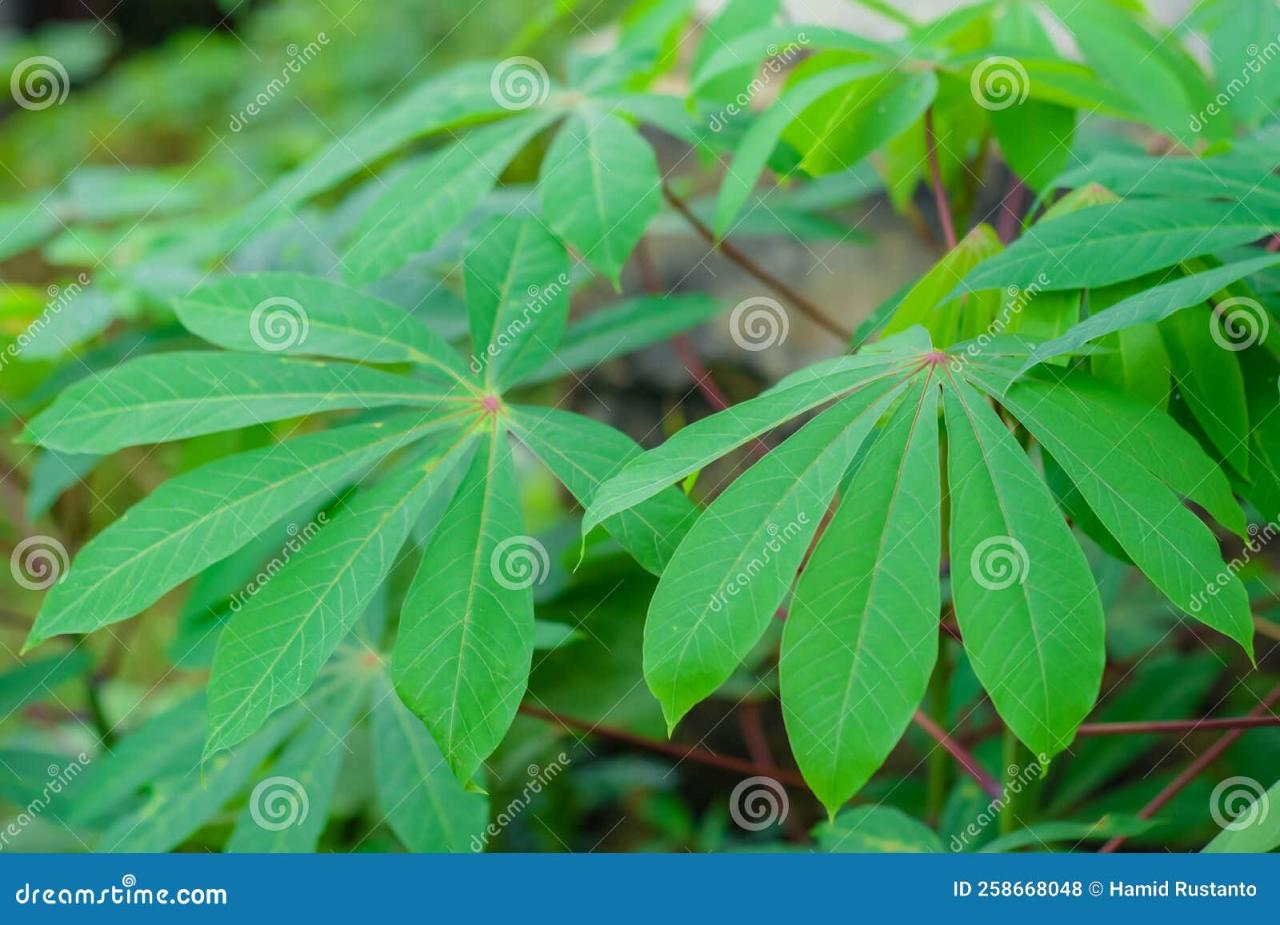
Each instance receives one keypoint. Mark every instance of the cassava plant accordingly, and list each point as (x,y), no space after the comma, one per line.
(404,556)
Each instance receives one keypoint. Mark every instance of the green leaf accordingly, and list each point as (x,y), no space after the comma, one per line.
(289,807)
(451,98)
(424,803)
(861,635)
(600,186)
(623,328)
(864,116)
(1208,377)
(272,649)
(202,516)
(1044,834)
(583,454)
(1150,305)
(1169,543)
(753,46)
(1026,602)
(1111,243)
(762,137)
(419,207)
(37,679)
(1178,177)
(517,278)
(716,597)
(1253,827)
(704,441)
(876,830)
(926,303)
(52,475)
(165,746)
(290,313)
(169,396)
(178,806)
(461,661)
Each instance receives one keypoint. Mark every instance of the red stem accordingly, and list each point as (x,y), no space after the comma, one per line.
(935,175)
(989,784)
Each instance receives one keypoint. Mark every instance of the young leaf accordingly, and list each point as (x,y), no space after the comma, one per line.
(461,661)
(1026,602)
(861,635)
(583,454)
(202,516)
(271,650)
(290,313)
(716,597)
(878,830)
(600,187)
(169,396)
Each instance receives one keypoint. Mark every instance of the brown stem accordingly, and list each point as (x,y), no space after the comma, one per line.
(1202,761)
(1010,211)
(1176,725)
(989,784)
(671,749)
(752,726)
(935,175)
(805,306)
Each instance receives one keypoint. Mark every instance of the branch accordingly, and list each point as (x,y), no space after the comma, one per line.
(935,175)
(1207,757)
(804,305)
(1176,725)
(671,749)
(989,784)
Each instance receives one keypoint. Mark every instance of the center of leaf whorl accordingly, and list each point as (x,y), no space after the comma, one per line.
(491,404)
(935,357)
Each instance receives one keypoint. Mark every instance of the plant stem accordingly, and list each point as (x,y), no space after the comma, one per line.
(940,777)
(1012,754)
(1202,761)
(935,175)
(805,306)
(989,784)
(1177,725)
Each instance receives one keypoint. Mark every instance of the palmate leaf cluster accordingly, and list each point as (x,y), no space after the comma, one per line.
(1020,407)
